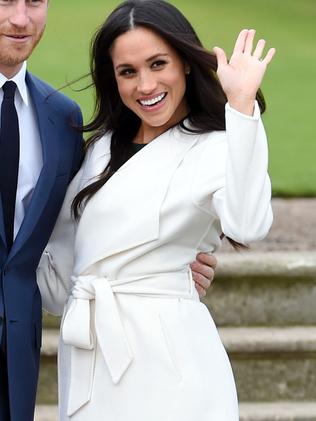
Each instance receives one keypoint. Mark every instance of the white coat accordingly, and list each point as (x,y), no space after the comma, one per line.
(136,342)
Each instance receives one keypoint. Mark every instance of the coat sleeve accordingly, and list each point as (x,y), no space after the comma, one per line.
(243,204)
(56,264)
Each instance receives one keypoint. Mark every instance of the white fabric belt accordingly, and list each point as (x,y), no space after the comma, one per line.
(109,330)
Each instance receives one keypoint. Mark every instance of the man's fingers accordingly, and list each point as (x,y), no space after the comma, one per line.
(202,280)
(200,289)
(203,270)
(207,259)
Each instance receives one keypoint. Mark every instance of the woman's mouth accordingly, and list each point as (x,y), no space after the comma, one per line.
(152,102)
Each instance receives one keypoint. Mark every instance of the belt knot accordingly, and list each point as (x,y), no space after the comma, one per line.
(107,330)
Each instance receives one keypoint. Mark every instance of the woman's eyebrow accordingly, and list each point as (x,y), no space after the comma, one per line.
(147,60)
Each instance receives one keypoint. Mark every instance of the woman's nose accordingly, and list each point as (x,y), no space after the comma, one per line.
(146,83)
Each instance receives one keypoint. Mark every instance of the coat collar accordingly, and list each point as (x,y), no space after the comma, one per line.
(120,202)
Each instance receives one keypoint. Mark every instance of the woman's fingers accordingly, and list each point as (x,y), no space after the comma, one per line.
(259,49)
(220,55)
(269,56)
(244,44)
(249,41)
(240,41)
(243,74)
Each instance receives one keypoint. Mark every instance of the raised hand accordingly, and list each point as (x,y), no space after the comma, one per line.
(242,75)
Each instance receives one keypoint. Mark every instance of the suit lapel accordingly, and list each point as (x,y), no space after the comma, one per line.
(46,116)
(2,230)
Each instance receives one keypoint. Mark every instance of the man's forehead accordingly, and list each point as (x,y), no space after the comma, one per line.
(6,2)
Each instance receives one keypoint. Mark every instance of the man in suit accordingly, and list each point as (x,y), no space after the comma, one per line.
(40,152)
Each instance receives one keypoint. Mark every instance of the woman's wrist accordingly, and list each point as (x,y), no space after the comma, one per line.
(243,104)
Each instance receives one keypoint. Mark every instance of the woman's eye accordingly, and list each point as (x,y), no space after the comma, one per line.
(126,72)
(158,64)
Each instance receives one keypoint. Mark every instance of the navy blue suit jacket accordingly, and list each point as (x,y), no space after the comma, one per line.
(20,300)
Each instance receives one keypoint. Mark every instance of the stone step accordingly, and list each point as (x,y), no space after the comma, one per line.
(259,289)
(50,321)
(264,289)
(278,411)
(259,411)
(273,363)
(298,339)
(47,383)
(269,340)
(269,363)
(293,227)
(46,413)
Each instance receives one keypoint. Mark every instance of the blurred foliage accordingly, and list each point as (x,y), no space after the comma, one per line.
(289,86)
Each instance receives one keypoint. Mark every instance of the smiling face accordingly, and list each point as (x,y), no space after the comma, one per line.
(22,23)
(151,81)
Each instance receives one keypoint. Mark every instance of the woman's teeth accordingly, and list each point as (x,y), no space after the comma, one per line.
(153,101)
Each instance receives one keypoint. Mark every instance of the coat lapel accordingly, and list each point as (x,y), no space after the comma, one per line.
(46,117)
(130,201)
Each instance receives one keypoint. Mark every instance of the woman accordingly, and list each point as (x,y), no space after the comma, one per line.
(136,342)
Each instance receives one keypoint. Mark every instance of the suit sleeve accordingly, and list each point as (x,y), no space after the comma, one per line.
(243,204)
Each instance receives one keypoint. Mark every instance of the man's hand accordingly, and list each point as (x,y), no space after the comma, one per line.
(203,269)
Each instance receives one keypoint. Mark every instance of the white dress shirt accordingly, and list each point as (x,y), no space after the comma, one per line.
(31,159)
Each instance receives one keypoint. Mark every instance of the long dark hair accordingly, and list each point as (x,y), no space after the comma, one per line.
(204,94)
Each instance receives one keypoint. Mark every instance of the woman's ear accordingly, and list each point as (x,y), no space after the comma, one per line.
(187,68)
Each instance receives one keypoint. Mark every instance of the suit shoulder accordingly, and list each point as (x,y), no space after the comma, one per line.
(55,98)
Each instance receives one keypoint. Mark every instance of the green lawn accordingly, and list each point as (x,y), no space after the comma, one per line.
(289,87)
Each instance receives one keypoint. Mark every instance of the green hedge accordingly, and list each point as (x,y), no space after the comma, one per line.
(290,85)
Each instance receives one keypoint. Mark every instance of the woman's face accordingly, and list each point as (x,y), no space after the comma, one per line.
(151,81)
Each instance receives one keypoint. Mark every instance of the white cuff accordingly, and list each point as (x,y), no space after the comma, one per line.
(256,114)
